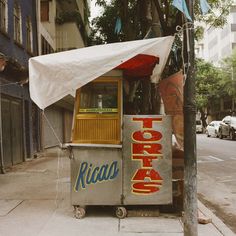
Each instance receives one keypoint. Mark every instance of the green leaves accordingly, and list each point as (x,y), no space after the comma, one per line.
(214,83)
(208,84)
(135,15)
(218,16)
(229,75)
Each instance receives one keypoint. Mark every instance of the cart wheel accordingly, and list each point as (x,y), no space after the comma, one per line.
(121,212)
(79,212)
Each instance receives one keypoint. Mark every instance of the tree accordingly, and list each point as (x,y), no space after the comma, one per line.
(137,18)
(214,83)
(208,88)
(229,77)
(137,15)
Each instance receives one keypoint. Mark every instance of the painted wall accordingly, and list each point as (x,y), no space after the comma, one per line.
(47,29)
(68,37)
(7,44)
(218,43)
(61,37)
(15,98)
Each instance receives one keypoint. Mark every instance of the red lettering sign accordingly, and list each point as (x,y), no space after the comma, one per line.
(146,180)
(147,122)
(147,136)
(146,187)
(146,148)
(150,174)
(146,160)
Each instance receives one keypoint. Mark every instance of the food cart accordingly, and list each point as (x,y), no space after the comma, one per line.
(117,159)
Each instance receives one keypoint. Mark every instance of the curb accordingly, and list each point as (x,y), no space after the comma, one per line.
(222,228)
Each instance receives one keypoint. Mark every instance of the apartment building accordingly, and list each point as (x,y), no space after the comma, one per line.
(217,44)
(19,131)
(62,25)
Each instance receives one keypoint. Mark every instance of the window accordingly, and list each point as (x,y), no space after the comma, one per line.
(97,118)
(233,15)
(99,98)
(233,27)
(29,43)
(45,47)
(3,15)
(44,10)
(17,23)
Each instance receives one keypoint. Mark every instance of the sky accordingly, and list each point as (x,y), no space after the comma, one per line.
(94,10)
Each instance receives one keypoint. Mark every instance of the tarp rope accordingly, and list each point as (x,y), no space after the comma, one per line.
(58,158)
(53,130)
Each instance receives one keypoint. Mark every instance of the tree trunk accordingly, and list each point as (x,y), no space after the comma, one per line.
(155,99)
(145,12)
(154,30)
(203,118)
(150,26)
(146,90)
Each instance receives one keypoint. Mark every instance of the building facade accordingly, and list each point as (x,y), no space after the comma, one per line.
(30,28)
(217,44)
(19,116)
(62,25)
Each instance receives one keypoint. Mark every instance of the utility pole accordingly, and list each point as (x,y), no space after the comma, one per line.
(2,67)
(190,162)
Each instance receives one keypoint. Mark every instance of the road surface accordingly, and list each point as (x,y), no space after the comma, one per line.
(217,176)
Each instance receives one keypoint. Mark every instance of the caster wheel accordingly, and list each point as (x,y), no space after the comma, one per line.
(121,212)
(79,212)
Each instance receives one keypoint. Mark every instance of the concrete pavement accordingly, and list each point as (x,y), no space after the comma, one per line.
(35,201)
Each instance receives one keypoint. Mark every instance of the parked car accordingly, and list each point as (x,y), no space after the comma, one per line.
(228,127)
(199,126)
(213,128)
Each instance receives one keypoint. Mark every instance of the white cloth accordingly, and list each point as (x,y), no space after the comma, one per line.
(53,76)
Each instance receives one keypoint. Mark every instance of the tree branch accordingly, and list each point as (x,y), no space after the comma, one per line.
(161,17)
(167,6)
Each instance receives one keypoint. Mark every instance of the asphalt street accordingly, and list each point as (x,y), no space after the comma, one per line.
(216,176)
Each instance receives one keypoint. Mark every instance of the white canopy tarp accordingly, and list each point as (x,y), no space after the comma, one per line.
(53,76)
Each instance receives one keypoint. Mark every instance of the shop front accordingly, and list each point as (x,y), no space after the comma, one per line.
(117,157)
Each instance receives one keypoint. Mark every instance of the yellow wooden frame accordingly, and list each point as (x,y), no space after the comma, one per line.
(98,128)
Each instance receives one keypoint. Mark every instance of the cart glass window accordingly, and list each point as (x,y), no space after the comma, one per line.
(99,98)
(97,116)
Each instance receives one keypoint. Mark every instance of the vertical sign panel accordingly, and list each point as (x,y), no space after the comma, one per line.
(147,153)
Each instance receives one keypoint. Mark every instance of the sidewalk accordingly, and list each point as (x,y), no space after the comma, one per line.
(35,201)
